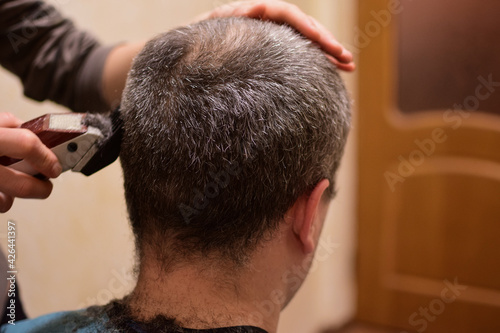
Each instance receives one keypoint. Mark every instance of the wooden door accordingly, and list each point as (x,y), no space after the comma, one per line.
(429,164)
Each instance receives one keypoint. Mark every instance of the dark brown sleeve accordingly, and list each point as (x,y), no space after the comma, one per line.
(53,59)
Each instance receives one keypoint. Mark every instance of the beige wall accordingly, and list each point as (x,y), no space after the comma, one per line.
(75,249)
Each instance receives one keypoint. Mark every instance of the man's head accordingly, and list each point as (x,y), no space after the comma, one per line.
(227,123)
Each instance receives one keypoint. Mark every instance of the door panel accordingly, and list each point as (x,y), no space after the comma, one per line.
(443,47)
(429,165)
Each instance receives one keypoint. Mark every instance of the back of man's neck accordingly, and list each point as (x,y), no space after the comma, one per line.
(202,298)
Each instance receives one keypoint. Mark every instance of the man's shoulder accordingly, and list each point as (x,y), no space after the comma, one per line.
(81,321)
(94,319)
(235,329)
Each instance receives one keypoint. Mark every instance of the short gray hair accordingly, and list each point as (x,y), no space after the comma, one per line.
(227,122)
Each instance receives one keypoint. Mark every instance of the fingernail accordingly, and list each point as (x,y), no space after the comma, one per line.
(347,55)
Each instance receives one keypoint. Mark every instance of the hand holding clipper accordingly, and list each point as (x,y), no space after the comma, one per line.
(81,142)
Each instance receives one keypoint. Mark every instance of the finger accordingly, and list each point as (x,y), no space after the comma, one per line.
(23,144)
(6,202)
(9,120)
(282,12)
(330,45)
(276,11)
(345,67)
(21,185)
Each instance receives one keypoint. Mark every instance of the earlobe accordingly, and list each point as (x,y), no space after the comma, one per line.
(306,212)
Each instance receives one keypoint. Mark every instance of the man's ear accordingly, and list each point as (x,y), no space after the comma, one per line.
(306,211)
